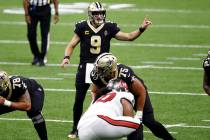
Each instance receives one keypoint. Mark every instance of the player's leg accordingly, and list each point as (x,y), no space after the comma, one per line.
(37,101)
(45,29)
(81,90)
(32,37)
(116,127)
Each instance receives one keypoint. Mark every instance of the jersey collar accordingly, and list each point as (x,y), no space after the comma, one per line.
(95,30)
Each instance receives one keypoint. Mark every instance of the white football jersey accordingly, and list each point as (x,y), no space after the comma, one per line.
(109,104)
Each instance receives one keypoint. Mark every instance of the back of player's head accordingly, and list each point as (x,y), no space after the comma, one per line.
(4,83)
(106,65)
(96,13)
(117,85)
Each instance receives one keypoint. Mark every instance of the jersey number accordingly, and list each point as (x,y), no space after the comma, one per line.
(95,42)
(17,83)
(106,98)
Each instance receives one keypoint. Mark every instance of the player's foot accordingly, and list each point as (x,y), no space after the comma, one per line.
(73,134)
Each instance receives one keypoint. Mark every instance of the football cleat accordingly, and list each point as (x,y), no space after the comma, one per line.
(73,134)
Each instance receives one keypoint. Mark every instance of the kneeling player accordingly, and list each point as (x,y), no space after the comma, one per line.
(111,115)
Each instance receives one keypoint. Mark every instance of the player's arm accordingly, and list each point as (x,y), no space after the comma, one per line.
(206,87)
(135,34)
(23,103)
(94,90)
(56,16)
(127,108)
(139,91)
(25,7)
(70,48)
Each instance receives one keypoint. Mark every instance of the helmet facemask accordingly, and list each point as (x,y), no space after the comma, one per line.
(96,13)
(4,84)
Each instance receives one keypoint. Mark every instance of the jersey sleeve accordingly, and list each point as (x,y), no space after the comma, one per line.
(78,28)
(114,29)
(128,96)
(126,74)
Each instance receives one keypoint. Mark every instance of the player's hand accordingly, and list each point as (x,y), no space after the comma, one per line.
(146,22)
(55,18)
(64,62)
(28,19)
(2,99)
(139,115)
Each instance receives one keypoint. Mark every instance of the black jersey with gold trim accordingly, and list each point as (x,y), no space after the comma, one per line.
(94,41)
(19,85)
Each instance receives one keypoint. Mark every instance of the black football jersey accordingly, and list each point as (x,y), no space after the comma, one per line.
(124,72)
(94,41)
(19,86)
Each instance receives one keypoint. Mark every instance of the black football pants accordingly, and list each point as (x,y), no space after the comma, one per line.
(43,16)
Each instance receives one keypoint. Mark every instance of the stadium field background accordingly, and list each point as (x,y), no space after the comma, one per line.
(168,56)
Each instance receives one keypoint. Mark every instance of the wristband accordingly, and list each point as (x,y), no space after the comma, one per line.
(66,57)
(139,114)
(7,103)
(141,29)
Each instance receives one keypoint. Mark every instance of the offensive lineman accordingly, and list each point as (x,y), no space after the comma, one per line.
(111,115)
(20,93)
(106,68)
(94,36)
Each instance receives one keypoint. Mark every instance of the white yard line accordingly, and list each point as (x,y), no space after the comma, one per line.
(134,67)
(150,92)
(182,125)
(22,23)
(155,45)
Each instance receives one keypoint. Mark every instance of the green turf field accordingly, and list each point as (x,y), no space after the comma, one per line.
(168,56)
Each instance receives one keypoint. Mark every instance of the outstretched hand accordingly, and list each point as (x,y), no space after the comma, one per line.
(146,22)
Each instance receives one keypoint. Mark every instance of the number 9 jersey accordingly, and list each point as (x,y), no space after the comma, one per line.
(94,41)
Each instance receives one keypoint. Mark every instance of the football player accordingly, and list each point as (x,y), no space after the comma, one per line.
(20,93)
(94,36)
(111,115)
(206,76)
(106,68)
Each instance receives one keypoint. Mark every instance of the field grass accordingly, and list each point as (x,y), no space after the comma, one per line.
(170,54)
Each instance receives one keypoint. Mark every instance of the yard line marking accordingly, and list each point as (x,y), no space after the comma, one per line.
(206,120)
(21,23)
(150,92)
(116,44)
(157,62)
(174,125)
(67,74)
(183,58)
(46,78)
(70,121)
(134,67)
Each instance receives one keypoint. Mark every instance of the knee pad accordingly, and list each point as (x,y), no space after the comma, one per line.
(37,119)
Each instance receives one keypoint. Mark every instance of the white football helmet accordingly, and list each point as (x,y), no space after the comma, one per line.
(96,13)
(117,85)
(5,85)
(106,65)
